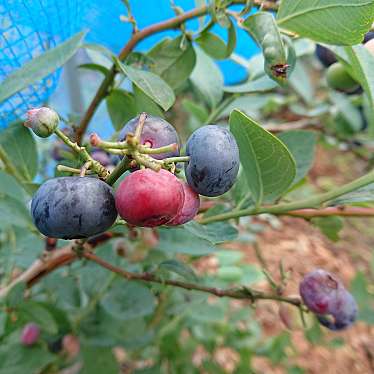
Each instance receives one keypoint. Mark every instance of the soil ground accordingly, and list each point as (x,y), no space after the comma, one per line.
(301,247)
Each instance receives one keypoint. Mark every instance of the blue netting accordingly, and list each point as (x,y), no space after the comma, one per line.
(27,29)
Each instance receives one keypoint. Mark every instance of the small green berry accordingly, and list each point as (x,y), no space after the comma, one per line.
(339,79)
(42,121)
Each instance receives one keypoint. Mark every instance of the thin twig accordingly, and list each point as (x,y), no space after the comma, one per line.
(236,293)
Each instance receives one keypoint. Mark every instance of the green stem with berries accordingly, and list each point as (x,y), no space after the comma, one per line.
(82,152)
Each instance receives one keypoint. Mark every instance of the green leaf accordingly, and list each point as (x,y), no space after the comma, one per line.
(15,296)
(230,273)
(179,240)
(365,299)
(300,81)
(330,226)
(14,212)
(261,84)
(214,46)
(215,233)
(207,313)
(359,62)
(121,107)
(19,146)
(328,21)
(145,104)
(350,114)
(268,165)
(196,110)
(10,187)
(127,300)
(151,84)
(207,78)
(229,257)
(362,195)
(39,67)
(302,146)
(18,359)
(36,312)
(179,268)
(98,360)
(95,67)
(264,30)
(173,63)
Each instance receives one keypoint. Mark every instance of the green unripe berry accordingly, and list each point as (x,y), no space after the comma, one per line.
(339,79)
(42,121)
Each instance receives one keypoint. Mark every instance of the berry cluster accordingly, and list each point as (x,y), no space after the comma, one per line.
(326,296)
(151,195)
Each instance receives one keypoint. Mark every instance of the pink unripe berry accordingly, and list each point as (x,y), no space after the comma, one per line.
(148,198)
(30,334)
(190,206)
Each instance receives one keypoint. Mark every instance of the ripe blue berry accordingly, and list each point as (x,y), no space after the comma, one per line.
(326,296)
(156,132)
(73,207)
(214,160)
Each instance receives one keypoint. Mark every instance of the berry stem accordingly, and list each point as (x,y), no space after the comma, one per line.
(68,169)
(147,161)
(123,166)
(82,152)
(140,126)
(154,151)
(96,141)
(176,159)
(235,293)
(313,202)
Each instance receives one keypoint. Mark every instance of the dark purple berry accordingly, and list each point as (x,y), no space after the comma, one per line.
(102,157)
(73,207)
(326,296)
(156,133)
(214,160)
(325,56)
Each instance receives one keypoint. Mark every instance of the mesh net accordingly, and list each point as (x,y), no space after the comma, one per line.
(27,29)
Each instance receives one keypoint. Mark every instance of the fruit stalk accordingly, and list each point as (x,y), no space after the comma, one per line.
(94,165)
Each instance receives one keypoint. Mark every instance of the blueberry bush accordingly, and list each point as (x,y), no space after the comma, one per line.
(102,258)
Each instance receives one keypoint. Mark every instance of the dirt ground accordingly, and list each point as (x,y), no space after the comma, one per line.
(302,247)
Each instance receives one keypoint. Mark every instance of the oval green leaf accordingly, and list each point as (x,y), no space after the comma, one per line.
(341,22)
(268,165)
(151,84)
(39,67)
(264,30)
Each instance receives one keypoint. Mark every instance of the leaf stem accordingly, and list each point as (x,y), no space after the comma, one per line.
(121,167)
(215,113)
